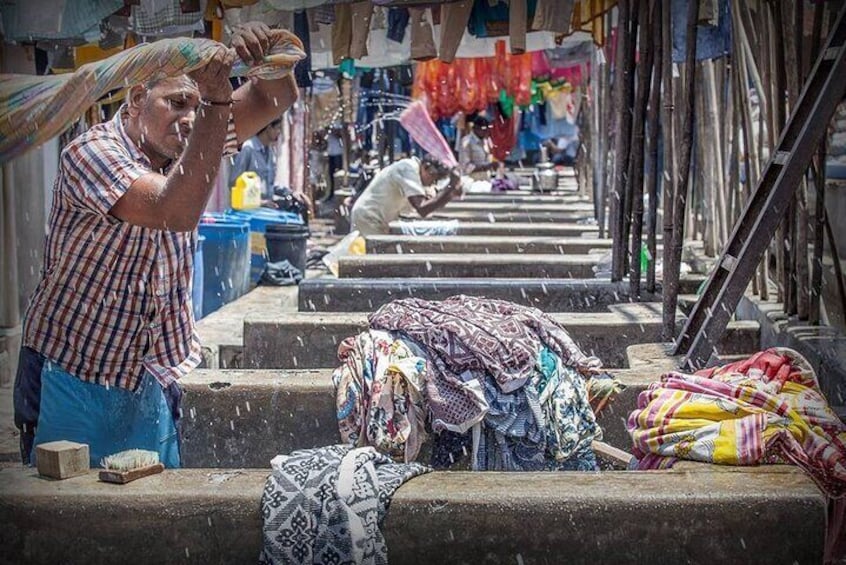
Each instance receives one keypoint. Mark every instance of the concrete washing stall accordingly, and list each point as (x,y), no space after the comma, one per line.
(236,420)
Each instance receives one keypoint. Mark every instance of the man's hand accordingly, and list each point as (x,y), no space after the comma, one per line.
(213,79)
(258,102)
(251,41)
(302,199)
(454,178)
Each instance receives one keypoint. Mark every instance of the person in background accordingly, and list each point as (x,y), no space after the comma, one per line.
(474,155)
(110,329)
(400,188)
(563,151)
(257,155)
(335,152)
(317,163)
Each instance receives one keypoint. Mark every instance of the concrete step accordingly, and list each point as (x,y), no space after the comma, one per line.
(412,244)
(497,208)
(463,265)
(743,515)
(522,197)
(485,227)
(310,340)
(514,217)
(551,295)
(243,418)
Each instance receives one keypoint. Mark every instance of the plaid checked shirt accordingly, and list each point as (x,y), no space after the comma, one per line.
(114,298)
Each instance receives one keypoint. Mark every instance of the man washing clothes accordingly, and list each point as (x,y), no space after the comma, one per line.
(400,188)
(474,155)
(109,329)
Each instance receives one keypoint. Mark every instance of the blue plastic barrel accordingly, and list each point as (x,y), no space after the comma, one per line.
(226,260)
(259,219)
(197,281)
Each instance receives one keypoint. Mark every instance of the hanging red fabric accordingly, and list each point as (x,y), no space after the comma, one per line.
(503,135)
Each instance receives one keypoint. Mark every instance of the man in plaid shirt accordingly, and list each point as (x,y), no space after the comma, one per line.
(110,329)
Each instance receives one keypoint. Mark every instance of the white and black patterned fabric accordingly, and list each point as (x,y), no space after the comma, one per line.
(325,505)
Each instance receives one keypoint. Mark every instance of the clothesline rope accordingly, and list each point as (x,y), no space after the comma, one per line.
(34,109)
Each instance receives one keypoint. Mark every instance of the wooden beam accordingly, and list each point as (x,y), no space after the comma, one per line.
(671,272)
(669,174)
(651,162)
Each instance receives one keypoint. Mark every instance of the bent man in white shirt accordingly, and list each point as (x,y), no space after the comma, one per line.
(400,188)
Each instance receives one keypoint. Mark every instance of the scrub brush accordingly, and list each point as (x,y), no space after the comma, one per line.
(126,466)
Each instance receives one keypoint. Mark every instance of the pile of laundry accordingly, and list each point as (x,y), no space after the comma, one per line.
(501,379)
(767,409)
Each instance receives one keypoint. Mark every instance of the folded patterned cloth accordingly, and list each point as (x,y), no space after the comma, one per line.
(325,505)
(765,409)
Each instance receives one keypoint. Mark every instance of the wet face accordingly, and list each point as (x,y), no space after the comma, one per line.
(271,133)
(165,115)
(430,175)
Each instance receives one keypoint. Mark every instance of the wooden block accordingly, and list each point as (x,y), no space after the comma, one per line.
(62,459)
(610,452)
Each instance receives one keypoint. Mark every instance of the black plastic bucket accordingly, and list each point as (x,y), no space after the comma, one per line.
(287,241)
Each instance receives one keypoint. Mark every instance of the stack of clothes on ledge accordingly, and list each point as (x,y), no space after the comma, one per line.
(767,409)
(501,382)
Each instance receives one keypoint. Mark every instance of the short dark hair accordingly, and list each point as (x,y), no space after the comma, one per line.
(435,166)
(272,124)
(478,120)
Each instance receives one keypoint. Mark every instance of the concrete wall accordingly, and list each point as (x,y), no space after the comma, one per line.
(823,346)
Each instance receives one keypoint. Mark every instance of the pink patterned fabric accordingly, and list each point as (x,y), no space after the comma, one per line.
(416,120)
(468,337)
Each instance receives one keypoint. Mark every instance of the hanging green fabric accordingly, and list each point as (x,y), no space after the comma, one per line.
(347,67)
(506,103)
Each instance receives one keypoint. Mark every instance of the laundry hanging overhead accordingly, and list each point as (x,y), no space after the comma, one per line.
(34,109)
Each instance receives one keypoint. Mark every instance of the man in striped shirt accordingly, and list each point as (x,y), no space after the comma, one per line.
(110,329)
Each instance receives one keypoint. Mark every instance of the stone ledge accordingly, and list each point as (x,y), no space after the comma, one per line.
(212,516)
(561,229)
(243,418)
(494,245)
(309,340)
(552,295)
(464,265)
(823,346)
(523,197)
(507,217)
(572,205)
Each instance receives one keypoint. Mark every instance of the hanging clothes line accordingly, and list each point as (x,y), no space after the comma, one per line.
(34,109)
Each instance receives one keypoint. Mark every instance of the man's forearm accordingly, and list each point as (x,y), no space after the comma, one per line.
(436,202)
(190,181)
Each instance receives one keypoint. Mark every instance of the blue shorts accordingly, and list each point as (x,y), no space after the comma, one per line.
(108,419)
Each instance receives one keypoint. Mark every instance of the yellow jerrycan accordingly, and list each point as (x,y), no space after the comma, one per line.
(246,194)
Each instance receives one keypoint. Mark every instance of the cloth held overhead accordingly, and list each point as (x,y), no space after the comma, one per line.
(34,109)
